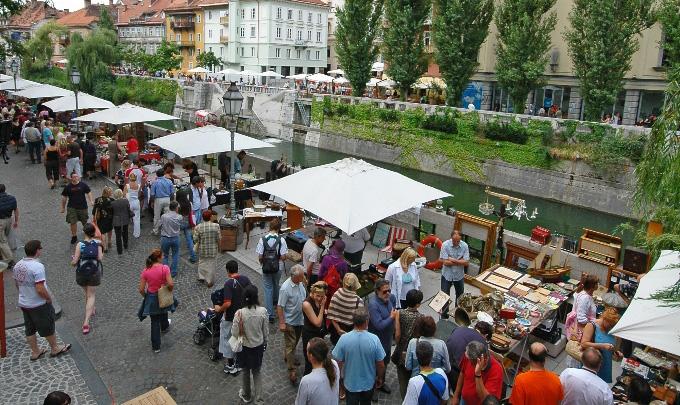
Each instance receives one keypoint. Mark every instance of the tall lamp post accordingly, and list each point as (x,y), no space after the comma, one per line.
(232,103)
(74,76)
(506,211)
(14,68)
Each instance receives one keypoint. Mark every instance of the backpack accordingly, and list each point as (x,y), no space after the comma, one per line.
(271,255)
(333,279)
(89,262)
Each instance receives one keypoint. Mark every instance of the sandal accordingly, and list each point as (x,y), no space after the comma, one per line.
(64,349)
(42,353)
(86,329)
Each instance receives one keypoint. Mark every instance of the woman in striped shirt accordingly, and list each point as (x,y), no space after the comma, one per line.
(343,304)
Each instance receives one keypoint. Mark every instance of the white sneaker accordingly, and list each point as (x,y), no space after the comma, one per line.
(235,370)
(242,395)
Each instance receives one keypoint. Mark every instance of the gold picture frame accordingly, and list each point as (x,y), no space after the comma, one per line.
(490,229)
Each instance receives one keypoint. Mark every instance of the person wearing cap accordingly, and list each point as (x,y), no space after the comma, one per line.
(343,304)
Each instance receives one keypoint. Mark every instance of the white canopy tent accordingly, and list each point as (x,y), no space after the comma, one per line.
(299,76)
(378,67)
(372,82)
(320,78)
(126,114)
(387,83)
(336,72)
(42,91)
(4,77)
(21,84)
(206,140)
(199,69)
(340,80)
(351,193)
(649,321)
(85,101)
(270,73)
(248,73)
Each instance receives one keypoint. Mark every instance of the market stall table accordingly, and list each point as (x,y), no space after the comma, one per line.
(250,218)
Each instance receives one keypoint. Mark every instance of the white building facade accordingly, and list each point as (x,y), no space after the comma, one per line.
(216,31)
(285,36)
(333,62)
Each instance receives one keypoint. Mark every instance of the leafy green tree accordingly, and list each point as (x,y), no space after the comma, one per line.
(208,60)
(93,56)
(39,49)
(602,39)
(10,7)
(167,57)
(524,28)
(460,27)
(403,45)
(136,58)
(105,20)
(669,16)
(358,26)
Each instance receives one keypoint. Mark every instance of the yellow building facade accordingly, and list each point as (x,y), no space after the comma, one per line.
(184,28)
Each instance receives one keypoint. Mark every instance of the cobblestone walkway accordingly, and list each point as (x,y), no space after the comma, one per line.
(119,345)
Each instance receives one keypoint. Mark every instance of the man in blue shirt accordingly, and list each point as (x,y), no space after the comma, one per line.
(382,312)
(291,295)
(430,386)
(161,191)
(454,255)
(361,355)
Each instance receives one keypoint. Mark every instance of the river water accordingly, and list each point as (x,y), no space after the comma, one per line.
(558,217)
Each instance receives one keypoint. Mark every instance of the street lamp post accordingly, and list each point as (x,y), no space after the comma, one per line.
(14,68)
(233,100)
(74,76)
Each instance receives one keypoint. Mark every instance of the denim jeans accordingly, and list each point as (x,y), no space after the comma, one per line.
(167,244)
(459,287)
(271,292)
(189,238)
(359,398)
(158,323)
(73,165)
(34,149)
(198,216)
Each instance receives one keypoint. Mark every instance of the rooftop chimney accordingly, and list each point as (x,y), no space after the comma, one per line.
(88,3)
(66,11)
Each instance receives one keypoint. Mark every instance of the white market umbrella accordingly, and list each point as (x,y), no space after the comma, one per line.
(42,91)
(336,72)
(21,84)
(206,140)
(126,114)
(229,72)
(63,61)
(351,193)
(199,70)
(373,82)
(341,80)
(85,101)
(387,83)
(320,78)
(4,77)
(299,76)
(649,321)
(270,73)
(248,73)
(378,67)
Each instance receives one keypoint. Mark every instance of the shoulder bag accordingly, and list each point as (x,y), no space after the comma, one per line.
(236,342)
(574,348)
(430,385)
(165,297)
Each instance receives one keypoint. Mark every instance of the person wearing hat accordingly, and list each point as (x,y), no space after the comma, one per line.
(343,304)
(333,268)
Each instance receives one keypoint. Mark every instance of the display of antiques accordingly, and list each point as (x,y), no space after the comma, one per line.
(540,235)
(554,270)
(599,247)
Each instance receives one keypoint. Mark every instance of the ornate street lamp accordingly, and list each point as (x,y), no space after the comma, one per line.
(74,77)
(14,68)
(232,103)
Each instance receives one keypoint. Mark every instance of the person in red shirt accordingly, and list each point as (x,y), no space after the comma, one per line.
(537,386)
(480,375)
(132,148)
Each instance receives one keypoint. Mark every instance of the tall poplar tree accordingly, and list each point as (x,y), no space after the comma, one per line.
(460,27)
(403,45)
(669,17)
(524,28)
(602,40)
(358,25)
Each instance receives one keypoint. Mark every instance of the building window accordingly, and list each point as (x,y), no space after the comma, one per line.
(178,37)
(278,52)
(290,14)
(309,35)
(309,55)
(221,51)
(191,65)
(299,35)
(318,18)
(300,15)
(158,31)
(243,32)
(288,53)
(191,52)
(279,11)
(252,32)
(191,37)
(210,49)
(289,33)
(318,55)
(198,37)
(427,38)
(243,13)
(221,32)
(278,32)
(198,51)
(297,54)
(309,18)
(252,51)
(198,18)
(252,13)
(318,36)
(209,33)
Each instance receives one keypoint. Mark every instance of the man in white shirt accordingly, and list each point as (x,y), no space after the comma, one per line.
(355,245)
(275,251)
(583,386)
(311,255)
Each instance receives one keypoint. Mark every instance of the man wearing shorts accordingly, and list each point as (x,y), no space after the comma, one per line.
(35,302)
(75,194)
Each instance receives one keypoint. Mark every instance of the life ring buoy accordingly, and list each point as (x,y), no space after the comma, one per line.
(430,240)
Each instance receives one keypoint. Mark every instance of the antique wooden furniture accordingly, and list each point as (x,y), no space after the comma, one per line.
(599,247)
(478,228)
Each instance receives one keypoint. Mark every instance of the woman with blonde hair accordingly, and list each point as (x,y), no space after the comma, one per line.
(132,191)
(403,276)
(314,323)
(102,213)
(596,335)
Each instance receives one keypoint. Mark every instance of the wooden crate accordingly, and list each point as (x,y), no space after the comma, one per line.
(228,239)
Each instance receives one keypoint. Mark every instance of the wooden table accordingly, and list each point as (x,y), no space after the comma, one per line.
(250,219)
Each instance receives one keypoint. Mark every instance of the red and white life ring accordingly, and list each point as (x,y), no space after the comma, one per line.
(430,240)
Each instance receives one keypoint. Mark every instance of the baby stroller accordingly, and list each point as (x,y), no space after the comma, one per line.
(209,326)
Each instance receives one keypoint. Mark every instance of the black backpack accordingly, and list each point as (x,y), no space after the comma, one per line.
(89,263)
(271,255)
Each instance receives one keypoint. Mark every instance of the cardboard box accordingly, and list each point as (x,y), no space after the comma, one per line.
(157,396)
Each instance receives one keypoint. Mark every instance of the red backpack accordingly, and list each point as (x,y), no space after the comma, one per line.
(334,282)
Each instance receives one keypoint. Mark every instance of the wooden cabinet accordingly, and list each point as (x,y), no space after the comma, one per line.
(228,239)
(293,217)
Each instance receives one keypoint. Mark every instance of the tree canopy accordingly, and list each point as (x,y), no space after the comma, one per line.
(40,48)
(358,26)
(459,30)
(93,56)
(208,60)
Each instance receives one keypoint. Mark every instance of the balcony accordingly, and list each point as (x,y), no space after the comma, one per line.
(224,39)
(300,43)
(224,20)
(181,24)
(185,43)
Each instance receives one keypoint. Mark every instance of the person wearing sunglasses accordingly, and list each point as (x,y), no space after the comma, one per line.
(382,312)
